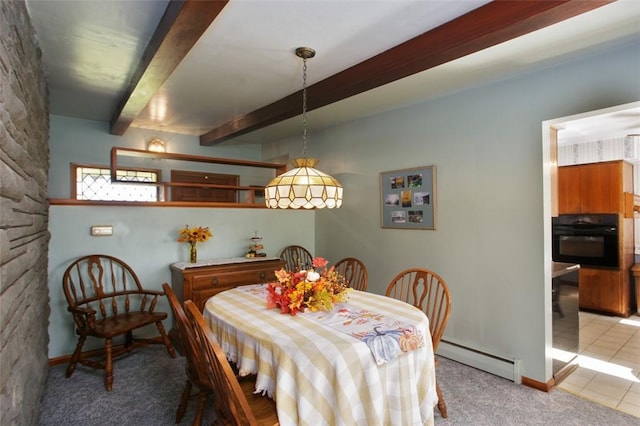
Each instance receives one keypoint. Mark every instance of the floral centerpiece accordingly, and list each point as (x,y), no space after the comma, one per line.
(315,289)
(197,234)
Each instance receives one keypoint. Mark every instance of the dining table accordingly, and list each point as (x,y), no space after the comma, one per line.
(368,361)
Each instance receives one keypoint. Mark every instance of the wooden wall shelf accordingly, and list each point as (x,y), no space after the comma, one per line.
(140,153)
(249,192)
(74,202)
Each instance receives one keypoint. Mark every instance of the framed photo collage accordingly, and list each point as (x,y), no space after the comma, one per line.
(408,198)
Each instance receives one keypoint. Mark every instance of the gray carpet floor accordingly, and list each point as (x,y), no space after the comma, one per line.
(148,384)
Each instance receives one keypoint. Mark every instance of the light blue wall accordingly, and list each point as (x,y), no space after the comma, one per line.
(486,144)
(145,237)
(489,243)
(89,142)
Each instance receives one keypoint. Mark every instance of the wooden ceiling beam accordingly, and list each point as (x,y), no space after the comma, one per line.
(486,26)
(181,26)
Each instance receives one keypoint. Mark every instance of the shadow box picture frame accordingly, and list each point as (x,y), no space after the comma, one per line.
(408,198)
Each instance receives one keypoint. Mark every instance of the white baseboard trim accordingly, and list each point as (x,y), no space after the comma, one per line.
(508,368)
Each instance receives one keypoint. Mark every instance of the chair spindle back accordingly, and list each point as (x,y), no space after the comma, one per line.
(354,271)
(296,258)
(428,292)
(230,402)
(106,283)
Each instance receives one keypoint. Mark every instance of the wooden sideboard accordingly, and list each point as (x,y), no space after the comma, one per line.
(199,281)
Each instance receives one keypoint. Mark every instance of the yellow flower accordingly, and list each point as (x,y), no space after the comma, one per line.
(197,234)
(321,300)
(282,276)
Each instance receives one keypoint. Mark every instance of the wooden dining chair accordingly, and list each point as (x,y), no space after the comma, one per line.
(234,400)
(354,271)
(296,258)
(107,301)
(195,368)
(428,292)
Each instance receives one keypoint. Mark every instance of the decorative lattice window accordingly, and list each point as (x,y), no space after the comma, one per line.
(94,183)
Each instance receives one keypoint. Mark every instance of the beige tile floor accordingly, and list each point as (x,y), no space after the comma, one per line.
(608,369)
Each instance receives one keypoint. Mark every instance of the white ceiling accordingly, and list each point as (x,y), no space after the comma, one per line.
(245,59)
(603,125)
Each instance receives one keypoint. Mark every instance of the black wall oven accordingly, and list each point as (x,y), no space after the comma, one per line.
(587,239)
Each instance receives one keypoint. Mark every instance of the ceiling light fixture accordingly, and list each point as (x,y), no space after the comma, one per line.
(303,186)
(156,145)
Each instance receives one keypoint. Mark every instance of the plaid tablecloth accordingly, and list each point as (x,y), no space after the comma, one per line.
(319,375)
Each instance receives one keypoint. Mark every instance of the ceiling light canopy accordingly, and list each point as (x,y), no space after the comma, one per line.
(304,186)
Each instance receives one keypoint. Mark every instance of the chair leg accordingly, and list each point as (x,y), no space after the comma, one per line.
(202,399)
(184,401)
(75,357)
(442,406)
(108,364)
(165,339)
(128,341)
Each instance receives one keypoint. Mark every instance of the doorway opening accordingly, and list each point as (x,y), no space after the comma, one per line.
(607,354)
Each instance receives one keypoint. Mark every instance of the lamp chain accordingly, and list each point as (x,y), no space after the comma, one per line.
(304,107)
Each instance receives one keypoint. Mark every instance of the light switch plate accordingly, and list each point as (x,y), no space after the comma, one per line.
(101,230)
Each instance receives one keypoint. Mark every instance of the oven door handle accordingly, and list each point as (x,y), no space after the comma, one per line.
(591,232)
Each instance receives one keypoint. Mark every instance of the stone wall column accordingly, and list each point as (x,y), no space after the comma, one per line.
(24,211)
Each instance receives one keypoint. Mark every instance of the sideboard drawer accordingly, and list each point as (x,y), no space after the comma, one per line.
(233,278)
(200,281)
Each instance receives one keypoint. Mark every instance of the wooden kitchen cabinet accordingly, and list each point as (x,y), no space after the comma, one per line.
(605,290)
(199,281)
(595,187)
(605,187)
(569,192)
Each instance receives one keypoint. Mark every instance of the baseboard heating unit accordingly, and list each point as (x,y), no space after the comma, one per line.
(482,360)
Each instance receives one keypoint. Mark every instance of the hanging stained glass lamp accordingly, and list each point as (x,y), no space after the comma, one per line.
(304,186)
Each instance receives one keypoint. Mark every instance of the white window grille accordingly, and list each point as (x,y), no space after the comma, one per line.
(94,183)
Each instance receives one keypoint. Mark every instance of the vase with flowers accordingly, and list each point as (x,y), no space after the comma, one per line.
(193,236)
(317,288)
